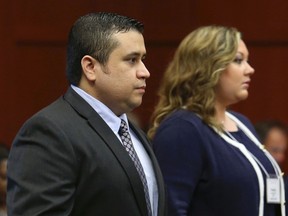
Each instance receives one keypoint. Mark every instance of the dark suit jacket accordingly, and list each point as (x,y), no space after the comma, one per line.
(65,160)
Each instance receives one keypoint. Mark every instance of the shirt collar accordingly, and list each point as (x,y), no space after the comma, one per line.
(106,114)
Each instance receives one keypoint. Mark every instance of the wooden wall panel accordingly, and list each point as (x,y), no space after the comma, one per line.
(33,40)
(260,21)
(167,23)
(35,79)
(5,53)
(48,20)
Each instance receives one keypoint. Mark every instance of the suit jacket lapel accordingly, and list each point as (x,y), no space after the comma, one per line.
(158,174)
(104,131)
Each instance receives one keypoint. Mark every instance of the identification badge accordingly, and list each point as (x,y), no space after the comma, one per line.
(273,190)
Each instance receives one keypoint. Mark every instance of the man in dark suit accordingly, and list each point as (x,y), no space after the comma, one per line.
(68,159)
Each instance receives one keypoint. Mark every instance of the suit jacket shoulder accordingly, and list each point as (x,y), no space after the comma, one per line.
(73,164)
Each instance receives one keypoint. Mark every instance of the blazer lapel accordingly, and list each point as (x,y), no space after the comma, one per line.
(104,131)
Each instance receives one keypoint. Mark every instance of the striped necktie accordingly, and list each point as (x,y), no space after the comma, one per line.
(127,143)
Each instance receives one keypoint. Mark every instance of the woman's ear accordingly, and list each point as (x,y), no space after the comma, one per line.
(89,67)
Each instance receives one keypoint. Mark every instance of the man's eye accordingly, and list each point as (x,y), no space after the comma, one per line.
(132,60)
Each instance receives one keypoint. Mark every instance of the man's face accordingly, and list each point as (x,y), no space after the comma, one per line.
(276,144)
(121,83)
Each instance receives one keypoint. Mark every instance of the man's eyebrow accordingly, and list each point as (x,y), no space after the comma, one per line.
(133,54)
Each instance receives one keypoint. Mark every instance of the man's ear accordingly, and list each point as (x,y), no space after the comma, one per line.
(89,66)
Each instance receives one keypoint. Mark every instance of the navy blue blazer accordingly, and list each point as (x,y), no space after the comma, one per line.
(205,176)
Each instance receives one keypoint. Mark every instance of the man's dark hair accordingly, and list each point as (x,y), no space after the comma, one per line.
(92,35)
(263,128)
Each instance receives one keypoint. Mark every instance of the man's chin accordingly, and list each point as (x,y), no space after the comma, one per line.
(135,104)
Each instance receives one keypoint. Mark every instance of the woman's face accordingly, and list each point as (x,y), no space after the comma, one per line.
(234,81)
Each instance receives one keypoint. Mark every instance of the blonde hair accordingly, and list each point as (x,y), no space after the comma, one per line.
(190,79)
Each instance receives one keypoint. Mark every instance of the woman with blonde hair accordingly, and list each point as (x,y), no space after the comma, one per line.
(211,160)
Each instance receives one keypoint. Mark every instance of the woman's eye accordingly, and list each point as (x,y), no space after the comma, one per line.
(238,60)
